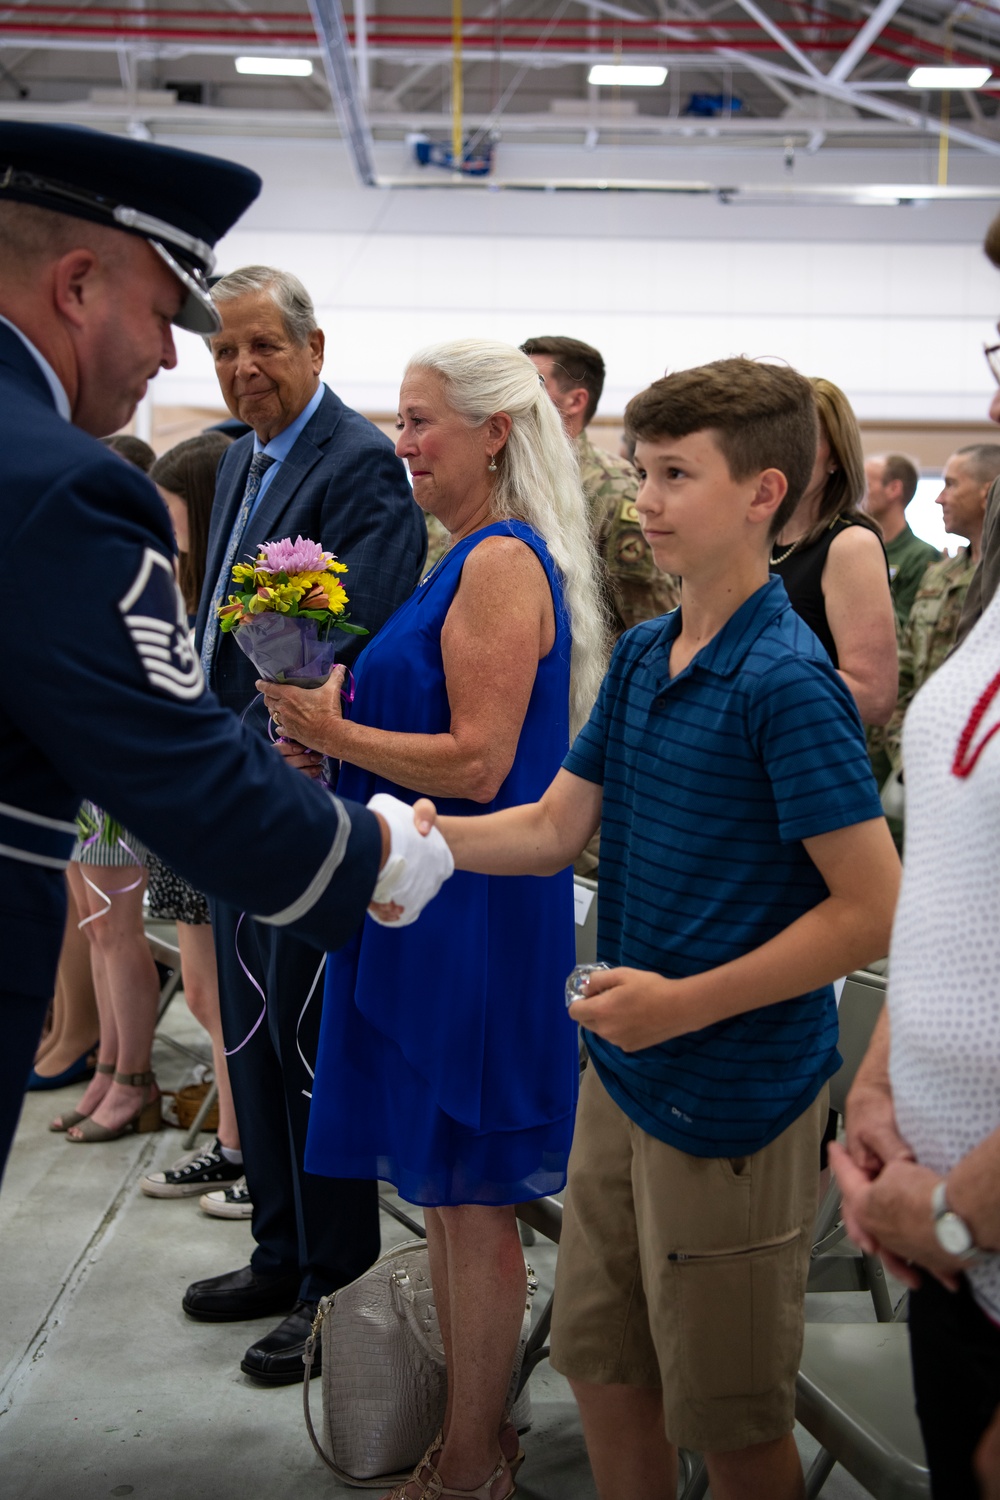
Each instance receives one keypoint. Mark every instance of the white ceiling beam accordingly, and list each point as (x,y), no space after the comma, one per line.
(196,119)
(816,82)
(776,34)
(858,47)
(777,89)
(922,123)
(331,32)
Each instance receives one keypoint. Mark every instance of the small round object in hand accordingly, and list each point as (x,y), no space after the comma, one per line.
(576,984)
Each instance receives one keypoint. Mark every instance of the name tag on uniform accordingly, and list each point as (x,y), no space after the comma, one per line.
(154,613)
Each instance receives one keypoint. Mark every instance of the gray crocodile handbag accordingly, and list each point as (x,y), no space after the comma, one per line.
(384,1385)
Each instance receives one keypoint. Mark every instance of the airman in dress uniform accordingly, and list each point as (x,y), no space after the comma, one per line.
(105,243)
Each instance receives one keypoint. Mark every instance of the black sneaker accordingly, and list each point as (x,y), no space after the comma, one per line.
(193,1174)
(228,1203)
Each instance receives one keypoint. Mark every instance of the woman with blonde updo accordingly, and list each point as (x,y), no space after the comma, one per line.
(447,1063)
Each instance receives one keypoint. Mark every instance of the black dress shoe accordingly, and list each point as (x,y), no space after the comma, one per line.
(277,1358)
(238,1295)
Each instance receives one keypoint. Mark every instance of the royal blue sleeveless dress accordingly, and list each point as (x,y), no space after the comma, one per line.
(447,1064)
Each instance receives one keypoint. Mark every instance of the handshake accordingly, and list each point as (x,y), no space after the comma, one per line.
(417,867)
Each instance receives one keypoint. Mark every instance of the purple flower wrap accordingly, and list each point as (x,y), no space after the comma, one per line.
(286,648)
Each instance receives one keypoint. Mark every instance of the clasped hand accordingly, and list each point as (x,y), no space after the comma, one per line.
(305,718)
(886,1199)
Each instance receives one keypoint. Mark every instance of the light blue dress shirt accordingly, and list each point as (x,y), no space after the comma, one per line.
(279,447)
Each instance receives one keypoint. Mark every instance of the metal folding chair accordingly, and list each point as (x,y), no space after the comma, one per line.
(168,957)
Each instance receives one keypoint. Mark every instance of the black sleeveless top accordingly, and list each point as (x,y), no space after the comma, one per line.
(801,572)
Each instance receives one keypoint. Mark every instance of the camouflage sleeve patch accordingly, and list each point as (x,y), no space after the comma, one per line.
(631,548)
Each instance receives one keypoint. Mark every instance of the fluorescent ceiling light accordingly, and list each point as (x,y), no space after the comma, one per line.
(284,67)
(627,75)
(949,78)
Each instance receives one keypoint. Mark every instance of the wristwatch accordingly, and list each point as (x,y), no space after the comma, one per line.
(953,1234)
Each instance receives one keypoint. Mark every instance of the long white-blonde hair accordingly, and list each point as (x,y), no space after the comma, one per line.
(537,481)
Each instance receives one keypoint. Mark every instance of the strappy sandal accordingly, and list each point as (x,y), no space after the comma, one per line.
(147,1116)
(434,1488)
(63,1122)
(515,1459)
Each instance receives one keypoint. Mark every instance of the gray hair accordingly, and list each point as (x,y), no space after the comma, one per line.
(983,461)
(285,290)
(538,482)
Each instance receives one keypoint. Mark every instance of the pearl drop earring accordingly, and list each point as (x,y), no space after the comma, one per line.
(491,467)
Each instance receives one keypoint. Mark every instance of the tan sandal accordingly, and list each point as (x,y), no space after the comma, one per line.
(515,1459)
(434,1488)
(147,1116)
(63,1122)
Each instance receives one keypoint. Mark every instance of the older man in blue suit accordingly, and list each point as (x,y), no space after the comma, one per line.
(314,467)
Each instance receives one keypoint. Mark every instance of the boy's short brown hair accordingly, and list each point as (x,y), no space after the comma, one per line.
(763,417)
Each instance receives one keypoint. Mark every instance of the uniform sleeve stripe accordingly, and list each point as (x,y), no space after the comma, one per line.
(323,876)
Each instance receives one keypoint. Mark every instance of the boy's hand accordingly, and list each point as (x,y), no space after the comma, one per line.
(424,815)
(632,1008)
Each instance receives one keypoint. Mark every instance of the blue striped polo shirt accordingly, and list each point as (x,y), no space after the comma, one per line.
(711,780)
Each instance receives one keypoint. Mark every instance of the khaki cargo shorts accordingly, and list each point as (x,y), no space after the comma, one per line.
(687,1272)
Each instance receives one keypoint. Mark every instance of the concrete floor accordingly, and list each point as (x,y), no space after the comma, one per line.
(108,1389)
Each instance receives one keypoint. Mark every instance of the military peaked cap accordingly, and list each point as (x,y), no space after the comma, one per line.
(180,201)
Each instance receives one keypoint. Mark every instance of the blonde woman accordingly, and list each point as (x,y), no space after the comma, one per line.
(447,1063)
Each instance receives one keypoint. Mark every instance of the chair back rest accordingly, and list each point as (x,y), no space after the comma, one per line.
(860,1006)
(585,897)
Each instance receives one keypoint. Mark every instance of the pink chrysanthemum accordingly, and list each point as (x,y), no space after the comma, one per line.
(300,556)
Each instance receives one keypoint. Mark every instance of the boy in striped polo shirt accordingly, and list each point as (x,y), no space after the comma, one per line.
(745,864)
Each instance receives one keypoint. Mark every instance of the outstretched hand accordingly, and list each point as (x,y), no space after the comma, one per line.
(424,819)
(417,866)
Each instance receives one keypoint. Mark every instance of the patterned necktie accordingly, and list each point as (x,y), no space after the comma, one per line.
(258,468)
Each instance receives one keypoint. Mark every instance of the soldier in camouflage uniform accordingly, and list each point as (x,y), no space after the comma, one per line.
(932,625)
(638,590)
(573,374)
(438,542)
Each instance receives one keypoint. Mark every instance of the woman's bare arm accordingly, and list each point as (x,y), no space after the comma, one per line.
(500,623)
(861,619)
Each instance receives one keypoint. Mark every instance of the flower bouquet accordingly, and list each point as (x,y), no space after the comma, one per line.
(290,601)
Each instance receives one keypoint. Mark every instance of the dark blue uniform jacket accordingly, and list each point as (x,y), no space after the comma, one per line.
(102,696)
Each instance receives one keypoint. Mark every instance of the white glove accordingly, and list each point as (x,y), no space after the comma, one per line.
(418,864)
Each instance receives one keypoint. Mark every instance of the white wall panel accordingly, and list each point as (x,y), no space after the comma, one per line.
(899,321)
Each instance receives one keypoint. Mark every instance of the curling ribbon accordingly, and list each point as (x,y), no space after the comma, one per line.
(120,890)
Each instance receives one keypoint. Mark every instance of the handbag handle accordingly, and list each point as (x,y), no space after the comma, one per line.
(308,1359)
